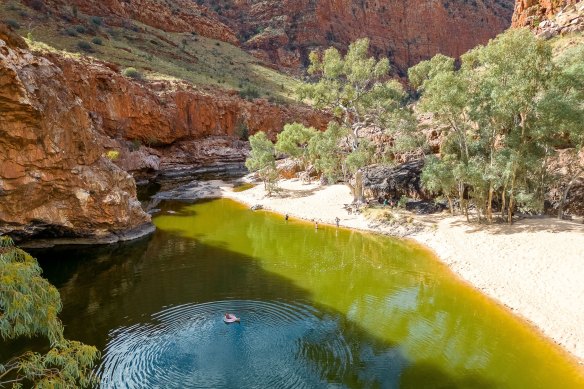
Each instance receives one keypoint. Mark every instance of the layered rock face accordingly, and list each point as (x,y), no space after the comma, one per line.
(284,32)
(167,15)
(54,179)
(162,113)
(528,12)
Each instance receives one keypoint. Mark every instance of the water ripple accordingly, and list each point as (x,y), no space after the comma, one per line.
(278,344)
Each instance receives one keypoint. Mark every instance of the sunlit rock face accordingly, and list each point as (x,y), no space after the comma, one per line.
(528,12)
(406,31)
(54,179)
(282,33)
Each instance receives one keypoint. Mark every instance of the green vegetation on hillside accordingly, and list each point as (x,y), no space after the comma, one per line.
(158,54)
(29,305)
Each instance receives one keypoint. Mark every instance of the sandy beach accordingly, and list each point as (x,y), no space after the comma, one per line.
(535,267)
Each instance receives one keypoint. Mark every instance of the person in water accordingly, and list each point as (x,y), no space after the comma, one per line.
(316,225)
(337,220)
(286,217)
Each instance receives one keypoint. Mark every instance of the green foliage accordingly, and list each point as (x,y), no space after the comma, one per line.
(326,155)
(132,73)
(29,306)
(262,160)
(357,90)
(80,29)
(13,24)
(242,130)
(293,140)
(249,93)
(85,46)
(97,41)
(360,157)
(503,109)
(70,31)
(96,20)
(112,155)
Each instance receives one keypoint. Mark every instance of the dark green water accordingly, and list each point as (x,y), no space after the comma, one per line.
(318,308)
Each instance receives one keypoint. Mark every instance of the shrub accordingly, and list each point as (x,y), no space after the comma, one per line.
(84,46)
(112,155)
(249,93)
(97,41)
(37,5)
(402,202)
(70,31)
(242,131)
(13,24)
(132,73)
(96,20)
(80,29)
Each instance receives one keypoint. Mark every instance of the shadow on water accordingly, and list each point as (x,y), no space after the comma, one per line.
(155,304)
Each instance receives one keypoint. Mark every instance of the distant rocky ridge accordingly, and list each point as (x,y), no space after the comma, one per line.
(282,33)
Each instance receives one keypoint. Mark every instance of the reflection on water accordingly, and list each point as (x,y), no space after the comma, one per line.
(319,309)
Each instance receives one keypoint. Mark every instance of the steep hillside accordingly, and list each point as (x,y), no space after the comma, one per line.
(176,51)
(284,32)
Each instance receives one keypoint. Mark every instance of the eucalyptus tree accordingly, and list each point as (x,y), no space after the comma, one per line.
(262,159)
(29,306)
(566,103)
(503,109)
(445,93)
(359,93)
(294,139)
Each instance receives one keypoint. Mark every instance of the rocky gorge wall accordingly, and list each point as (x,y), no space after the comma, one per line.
(61,117)
(167,15)
(54,180)
(406,31)
(283,33)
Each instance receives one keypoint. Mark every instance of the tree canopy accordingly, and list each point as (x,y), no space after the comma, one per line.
(357,89)
(503,110)
(29,306)
(262,159)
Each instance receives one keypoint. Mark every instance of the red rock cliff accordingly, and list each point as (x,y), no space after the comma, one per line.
(404,30)
(166,112)
(54,179)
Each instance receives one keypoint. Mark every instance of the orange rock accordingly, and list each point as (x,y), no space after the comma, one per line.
(529,11)
(162,113)
(405,31)
(53,177)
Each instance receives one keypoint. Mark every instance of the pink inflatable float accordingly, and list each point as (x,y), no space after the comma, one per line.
(230,318)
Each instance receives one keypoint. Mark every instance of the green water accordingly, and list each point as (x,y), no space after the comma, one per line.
(319,308)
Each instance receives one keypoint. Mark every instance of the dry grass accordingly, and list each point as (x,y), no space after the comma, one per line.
(158,54)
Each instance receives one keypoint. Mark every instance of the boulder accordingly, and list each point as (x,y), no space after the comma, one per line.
(394,181)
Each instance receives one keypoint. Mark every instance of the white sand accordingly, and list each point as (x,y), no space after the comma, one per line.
(535,267)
